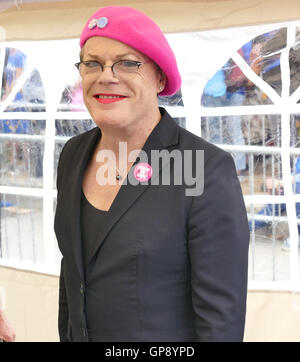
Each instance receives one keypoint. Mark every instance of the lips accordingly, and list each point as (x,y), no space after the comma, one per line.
(105,98)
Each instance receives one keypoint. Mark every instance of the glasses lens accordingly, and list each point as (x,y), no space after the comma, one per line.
(86,68)
(126,68)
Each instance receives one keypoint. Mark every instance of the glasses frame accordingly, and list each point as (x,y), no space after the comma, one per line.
(138,64)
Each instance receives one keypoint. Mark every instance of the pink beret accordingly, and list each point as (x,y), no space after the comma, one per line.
(137,30)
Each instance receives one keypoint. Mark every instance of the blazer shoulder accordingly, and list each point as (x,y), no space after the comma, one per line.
(74,149)
(72,144)
(190,141)
(82,137)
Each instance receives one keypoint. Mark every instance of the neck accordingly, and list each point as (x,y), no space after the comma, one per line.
(134,137)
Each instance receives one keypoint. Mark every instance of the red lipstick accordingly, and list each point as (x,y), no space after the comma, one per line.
(105,98)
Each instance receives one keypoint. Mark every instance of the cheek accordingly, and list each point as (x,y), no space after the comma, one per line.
(152,84)
(86,86)
(146,87)
(149,93)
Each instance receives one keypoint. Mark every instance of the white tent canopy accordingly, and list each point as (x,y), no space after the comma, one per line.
(61,19)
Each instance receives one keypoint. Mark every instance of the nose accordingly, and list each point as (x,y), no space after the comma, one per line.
(106,75)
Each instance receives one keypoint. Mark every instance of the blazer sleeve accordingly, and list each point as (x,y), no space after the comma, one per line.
(218,241)
(63,314)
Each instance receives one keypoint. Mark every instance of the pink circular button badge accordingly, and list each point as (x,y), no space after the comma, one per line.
(143,172)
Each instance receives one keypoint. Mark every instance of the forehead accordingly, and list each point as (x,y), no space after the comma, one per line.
(109,48)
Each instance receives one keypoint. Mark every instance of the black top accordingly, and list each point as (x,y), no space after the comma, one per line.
(92,220)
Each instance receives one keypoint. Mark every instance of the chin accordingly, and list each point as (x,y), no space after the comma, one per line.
(109,119)
(108,115)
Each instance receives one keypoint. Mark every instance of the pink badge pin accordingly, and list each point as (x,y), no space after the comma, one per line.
(92,24)
(143,172)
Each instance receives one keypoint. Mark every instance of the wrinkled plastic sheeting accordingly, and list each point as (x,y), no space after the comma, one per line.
(230,87)
(22,87)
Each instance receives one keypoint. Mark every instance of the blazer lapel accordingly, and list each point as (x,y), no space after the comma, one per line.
(164,135)
(81,157)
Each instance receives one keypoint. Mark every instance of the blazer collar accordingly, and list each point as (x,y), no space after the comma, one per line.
(163,136)
(81,157)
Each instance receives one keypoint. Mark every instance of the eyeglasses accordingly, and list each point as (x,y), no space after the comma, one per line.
(121,69)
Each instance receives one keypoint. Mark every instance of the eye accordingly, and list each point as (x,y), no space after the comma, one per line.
(91,64)
(130,64)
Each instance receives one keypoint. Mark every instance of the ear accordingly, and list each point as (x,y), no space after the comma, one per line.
(162,81)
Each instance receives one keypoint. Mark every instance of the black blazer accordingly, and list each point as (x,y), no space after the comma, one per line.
(167,266)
